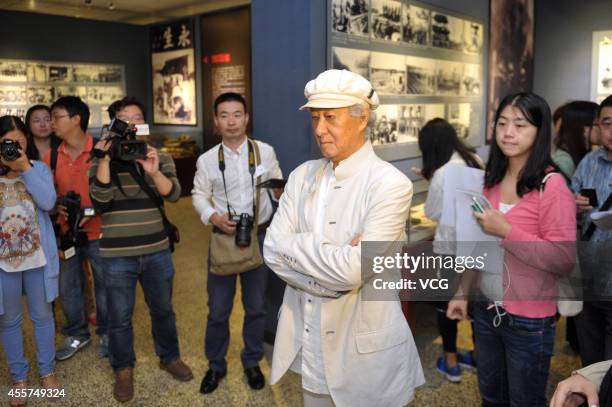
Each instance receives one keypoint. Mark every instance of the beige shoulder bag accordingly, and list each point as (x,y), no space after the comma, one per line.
(226,257)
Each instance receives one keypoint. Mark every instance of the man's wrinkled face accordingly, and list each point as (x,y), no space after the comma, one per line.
(338,133)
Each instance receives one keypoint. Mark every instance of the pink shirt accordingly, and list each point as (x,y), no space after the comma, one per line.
(533,262)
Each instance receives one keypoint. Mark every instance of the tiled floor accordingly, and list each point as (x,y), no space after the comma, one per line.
(88,379)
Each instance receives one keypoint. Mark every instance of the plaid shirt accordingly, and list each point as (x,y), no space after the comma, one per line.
(594,171)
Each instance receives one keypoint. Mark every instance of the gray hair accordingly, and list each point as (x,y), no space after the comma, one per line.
(360,110)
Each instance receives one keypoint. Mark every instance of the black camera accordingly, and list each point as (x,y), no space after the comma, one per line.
(10,150)
(75,235)
(244,226)
(124,145)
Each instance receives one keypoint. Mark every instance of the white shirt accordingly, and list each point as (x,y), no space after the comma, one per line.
(445,237)
(309,362)
(208,193)
(20,245)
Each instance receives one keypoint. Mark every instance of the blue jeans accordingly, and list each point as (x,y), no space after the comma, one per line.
(72,283)
(32,283)
(155,273)
(513,359)
(221,291)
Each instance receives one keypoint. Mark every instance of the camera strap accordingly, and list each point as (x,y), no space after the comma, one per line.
(253,151)
(139,178)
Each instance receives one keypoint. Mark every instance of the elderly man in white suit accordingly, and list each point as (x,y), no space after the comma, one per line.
(350,352)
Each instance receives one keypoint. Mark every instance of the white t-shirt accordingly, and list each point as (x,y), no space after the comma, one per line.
(20,245)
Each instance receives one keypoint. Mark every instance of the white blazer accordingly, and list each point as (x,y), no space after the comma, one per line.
(369,355)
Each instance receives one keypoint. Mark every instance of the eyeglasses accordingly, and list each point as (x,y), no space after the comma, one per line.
(606,124)
(57,117)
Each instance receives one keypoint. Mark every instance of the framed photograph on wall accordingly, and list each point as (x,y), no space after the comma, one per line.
(601,66)
(173,73)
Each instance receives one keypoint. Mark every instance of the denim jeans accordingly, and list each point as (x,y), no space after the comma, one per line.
(32,283)
(72,281)
(221,291)
(513,358)
(155,273)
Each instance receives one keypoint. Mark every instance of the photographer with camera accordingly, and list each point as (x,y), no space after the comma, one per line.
(129,181)
(225,195)
(28,256)
(79,226)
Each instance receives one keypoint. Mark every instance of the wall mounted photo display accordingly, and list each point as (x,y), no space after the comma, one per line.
(26,83)
(173,73)
(601,66)
(385,19)
(510,53)
(354,60)
(420,59)
(350,17)
(416,25)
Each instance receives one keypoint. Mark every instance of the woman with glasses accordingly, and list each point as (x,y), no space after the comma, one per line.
(40,135)
(28,257)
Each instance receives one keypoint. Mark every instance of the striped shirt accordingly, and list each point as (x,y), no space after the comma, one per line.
(131,222)
(595,171)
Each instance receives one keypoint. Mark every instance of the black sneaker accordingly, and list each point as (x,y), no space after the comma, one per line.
(71,345)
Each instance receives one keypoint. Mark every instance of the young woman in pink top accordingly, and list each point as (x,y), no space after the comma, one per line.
(534,216)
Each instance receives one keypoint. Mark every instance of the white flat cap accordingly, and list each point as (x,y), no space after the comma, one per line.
(336,88)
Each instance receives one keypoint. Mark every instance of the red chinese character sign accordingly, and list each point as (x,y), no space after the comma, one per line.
(173,64)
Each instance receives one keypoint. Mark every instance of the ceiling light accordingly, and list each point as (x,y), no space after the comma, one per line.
(111,6)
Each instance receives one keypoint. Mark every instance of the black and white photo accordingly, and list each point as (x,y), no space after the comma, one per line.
(420,76)
(59,73)
(350,17)
(386,20)
(13,95)
(40,95)
(353,60)
(13,71)
(80,91)
(416,22)
(173,73)
(604,68)
(471,83)
(97,74)
(473,37)
(449,77)
(103,94)
(384,131)
(388,73)
(412,118)
(447,31)
(37,72)
(461,117)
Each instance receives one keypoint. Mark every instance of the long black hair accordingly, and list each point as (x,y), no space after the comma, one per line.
(536,111)
(438,141)
(10,123)
(575,117)
(55,141)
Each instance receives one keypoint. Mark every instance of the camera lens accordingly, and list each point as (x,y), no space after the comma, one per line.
(243,230)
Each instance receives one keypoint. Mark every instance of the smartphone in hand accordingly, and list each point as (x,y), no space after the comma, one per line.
(590,193)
